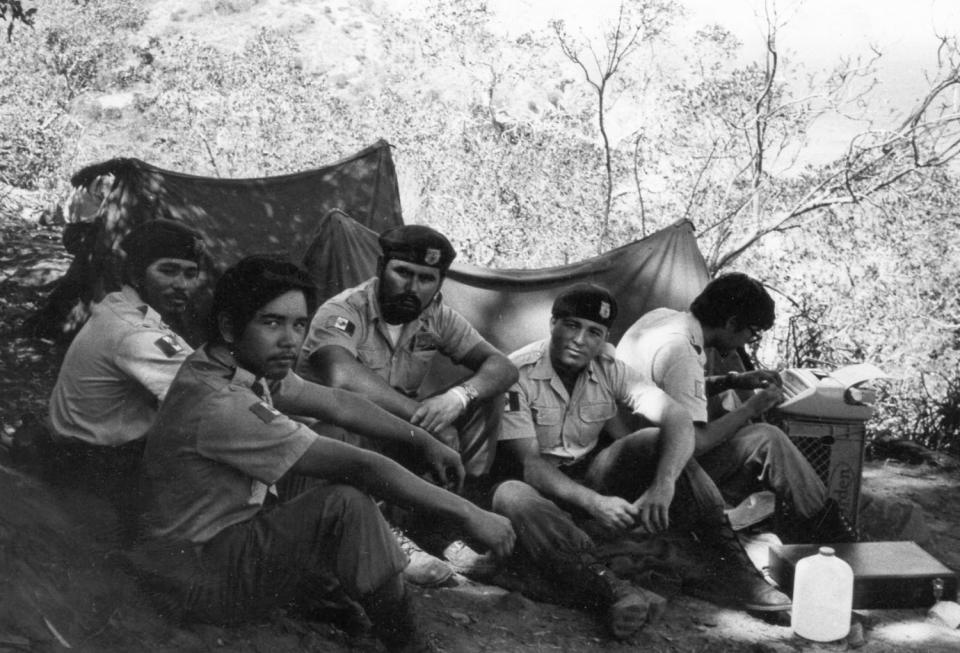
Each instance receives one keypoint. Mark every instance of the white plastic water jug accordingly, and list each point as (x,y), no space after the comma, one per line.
(822,597)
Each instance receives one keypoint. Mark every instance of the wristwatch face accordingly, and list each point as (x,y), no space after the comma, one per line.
(471,392)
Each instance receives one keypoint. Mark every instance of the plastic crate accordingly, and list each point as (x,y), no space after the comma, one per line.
(835,451)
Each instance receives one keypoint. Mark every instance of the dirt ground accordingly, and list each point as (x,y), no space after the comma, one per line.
(60,586)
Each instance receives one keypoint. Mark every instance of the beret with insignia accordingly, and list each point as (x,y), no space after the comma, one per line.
(417,244)
(586,301)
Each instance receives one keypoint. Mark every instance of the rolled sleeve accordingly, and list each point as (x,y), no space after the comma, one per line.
(517,422)
(248,435)
(457,335)
(679,372)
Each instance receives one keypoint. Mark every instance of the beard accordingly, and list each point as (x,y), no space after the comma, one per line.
(400,308)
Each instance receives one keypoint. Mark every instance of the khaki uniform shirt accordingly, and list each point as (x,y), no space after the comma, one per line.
(116,372)
(216,448)
(667,346)
(352,320)
(567,426)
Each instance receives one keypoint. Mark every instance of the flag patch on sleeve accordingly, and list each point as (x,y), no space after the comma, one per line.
(513,401)
(265,412)
(699,390)
(425,341)
(168,345)
(341,323)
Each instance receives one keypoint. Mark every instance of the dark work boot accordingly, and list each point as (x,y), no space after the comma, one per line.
(391,611)
(626,607)
(828,526)
(733,576)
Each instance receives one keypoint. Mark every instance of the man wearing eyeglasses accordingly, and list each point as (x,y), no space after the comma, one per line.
(742,455)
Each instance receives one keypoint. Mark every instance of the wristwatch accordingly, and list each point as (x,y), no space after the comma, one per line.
(471,392)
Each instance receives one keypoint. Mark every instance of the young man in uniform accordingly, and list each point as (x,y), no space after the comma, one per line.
(119,366)
(379,339)
(570,385)
(740,454)
(221,545)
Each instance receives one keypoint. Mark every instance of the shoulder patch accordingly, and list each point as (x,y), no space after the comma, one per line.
(266,413)
(425,341)
(512,403)
(168,345)
(341,323)
(699,390)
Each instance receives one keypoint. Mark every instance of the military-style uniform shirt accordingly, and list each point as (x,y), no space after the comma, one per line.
(116,372)
(216,447)
(667,346)
(567,426)
(352,320)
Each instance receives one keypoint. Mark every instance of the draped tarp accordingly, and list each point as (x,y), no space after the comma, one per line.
(237,217)
(511,308)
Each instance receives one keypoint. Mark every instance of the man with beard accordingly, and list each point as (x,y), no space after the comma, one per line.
(379,338)
(221,547)
(119,366)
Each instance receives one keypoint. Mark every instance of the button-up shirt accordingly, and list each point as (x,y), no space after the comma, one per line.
(216,447)
(567,425)
(352,320)
(667,346)
(116,371)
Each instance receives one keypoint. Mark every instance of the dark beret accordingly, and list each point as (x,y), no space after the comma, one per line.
(586,301)
(417,244)
(161,238)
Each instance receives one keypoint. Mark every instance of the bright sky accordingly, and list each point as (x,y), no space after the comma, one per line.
(816,34)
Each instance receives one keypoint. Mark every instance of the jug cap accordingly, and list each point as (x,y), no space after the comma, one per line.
(827,551)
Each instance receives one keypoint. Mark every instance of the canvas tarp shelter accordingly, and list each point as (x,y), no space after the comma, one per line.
(512,307)
(236,216)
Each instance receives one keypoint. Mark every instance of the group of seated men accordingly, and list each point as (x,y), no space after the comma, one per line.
(260,470)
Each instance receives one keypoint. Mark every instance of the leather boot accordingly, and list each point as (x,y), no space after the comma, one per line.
(626,607)
(828,526)
(732,577)
(392,613)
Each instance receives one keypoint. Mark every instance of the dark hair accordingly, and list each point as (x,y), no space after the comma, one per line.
(252,283)
(734,295)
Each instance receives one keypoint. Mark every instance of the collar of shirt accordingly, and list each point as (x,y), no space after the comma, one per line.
(128,304)
(237,375)
(696,332)
(543,370)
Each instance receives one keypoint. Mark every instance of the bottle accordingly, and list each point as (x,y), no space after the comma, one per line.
(822,597)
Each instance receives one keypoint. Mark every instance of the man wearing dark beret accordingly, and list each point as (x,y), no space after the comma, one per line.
(219,546)
(570,387)
(380,338)
(120,364)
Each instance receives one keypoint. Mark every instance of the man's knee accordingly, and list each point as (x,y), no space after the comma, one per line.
(510,498)
(762,435)
(344,501)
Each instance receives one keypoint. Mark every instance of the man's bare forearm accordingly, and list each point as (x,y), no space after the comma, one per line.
(678,441)
(352,412)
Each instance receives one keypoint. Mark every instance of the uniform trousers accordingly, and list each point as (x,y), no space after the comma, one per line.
(288,551)
(548,533)
(761,456)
